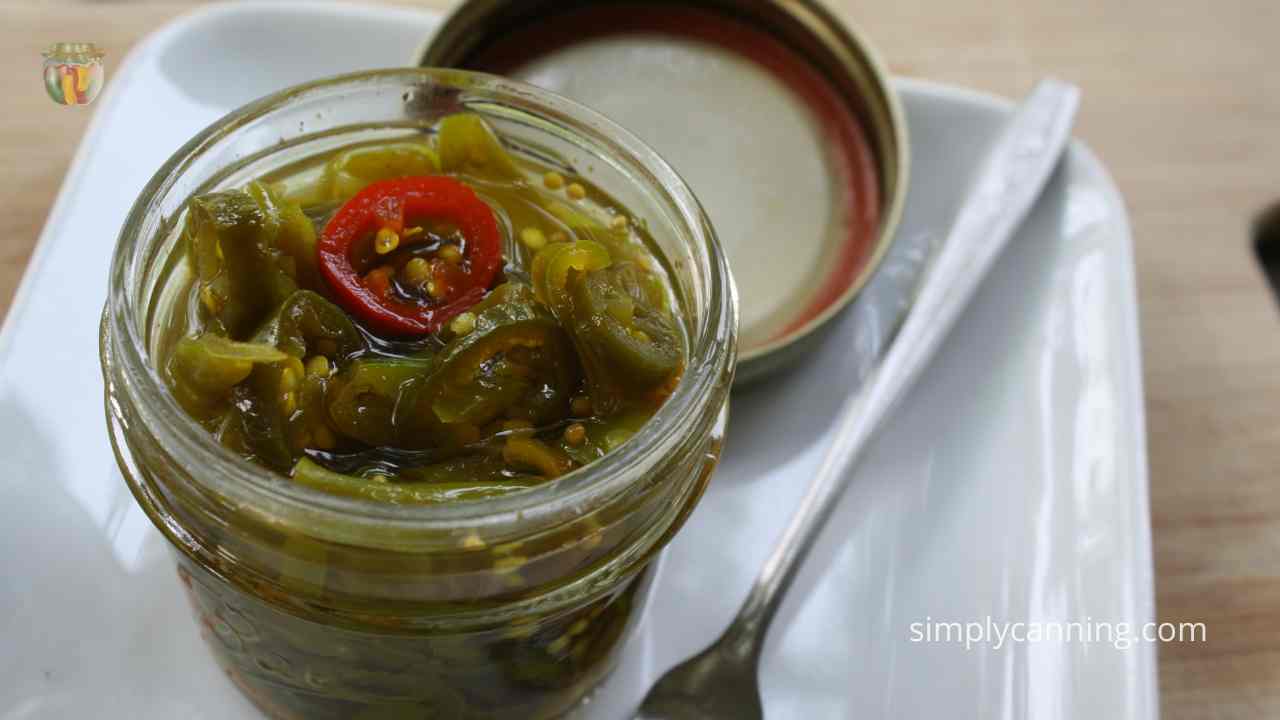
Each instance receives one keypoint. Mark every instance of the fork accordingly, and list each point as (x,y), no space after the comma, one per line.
(721,683)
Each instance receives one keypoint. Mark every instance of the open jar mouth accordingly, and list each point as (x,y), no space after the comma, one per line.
(712,338)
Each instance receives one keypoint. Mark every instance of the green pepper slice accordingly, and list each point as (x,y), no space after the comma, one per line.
(231,242)
(468,145)
(524,452)
(308,324)
(349,172)
(307,472)
(627,344)
(517,363)
(202,370)
(293,234)
(363,402)
(280,410)
(550,269)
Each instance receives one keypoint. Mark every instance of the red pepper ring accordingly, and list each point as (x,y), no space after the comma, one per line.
(386,204)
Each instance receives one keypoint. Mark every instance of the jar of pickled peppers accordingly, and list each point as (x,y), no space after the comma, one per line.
(337,605)
(73,73)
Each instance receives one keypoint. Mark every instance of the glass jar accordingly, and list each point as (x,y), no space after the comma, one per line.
(322,607)
(73,73)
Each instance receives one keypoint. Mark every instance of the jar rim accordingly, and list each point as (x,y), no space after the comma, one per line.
(713,343)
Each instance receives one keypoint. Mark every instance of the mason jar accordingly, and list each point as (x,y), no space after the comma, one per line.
(73,73)
(319,606)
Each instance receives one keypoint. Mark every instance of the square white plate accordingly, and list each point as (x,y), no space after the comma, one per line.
(1012,484)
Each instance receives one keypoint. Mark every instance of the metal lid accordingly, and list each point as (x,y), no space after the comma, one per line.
(777,115)
(73,51)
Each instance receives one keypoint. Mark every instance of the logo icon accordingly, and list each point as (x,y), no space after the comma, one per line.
(73,73)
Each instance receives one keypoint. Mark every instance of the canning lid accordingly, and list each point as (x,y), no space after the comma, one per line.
(73,52)
(778,117)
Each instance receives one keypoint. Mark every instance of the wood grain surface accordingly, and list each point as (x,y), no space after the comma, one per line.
(1182,102)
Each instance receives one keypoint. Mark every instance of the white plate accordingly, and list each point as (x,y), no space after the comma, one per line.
(1012,484)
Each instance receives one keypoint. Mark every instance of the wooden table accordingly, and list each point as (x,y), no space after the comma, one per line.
(1184,108)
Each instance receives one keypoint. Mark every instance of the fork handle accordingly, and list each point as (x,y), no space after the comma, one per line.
(1017,168)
